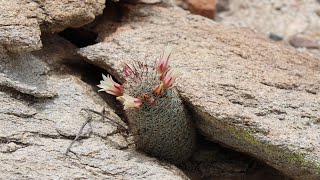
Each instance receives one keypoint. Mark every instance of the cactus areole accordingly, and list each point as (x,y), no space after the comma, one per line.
(156,115)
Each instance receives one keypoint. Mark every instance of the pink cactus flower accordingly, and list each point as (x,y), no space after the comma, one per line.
(158,91)
(169,77)
(110,87)
(130,102)
(163,63)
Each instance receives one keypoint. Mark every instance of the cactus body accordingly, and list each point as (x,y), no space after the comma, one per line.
(162,129)
(155,112)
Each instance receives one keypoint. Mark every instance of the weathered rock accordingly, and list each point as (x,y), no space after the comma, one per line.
(15,74)
(18,30)
(304,42)
(35,133)
(246,92)
(21,20)
(318,12)
(223,5)
(205,8)
(285,18)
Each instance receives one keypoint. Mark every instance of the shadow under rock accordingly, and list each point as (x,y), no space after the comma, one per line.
(92,75)
(212,161)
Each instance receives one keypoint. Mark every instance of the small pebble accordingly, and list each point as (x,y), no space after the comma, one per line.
(275,37)
(11,147)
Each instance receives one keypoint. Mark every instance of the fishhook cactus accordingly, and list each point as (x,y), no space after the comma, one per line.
(156,115)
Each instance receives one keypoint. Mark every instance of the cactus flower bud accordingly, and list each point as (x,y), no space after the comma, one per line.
(130,102)
(148,98)
(110,87)
(158,91)
(128,70)
(169,77)
(163,63)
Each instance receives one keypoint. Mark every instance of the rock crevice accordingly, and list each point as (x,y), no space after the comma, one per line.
(252,117)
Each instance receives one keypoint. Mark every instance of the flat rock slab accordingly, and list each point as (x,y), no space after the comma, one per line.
(21,21)
(36,130)
(25,74)
(246,92)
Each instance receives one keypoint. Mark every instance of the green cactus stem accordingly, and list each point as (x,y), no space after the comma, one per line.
(156,115)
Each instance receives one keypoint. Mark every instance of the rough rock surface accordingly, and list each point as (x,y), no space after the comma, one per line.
(21,21)
(246,92)
(284,18)
(13,75)
(36,130)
